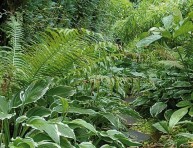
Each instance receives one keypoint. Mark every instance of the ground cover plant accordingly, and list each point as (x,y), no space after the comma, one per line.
(76,73)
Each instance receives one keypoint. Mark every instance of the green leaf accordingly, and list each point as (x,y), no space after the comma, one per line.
(66,131)
(76,110)
(162,126)
(23,143)
(32,93)
(65,105)
(107,146)
(42,125)
(183,103)
(38,111)
(187,135)
(45,144)
(21,119)
(185,28)
(4,106)
(84,124)
(179,84)
(5,116)
(191,112)
(118,136)
(167,21)
(114,120)
(177,115)
(86,145)
(62,91)
(157,108)
(148,40)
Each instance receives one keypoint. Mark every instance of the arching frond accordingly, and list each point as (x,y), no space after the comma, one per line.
(62,51)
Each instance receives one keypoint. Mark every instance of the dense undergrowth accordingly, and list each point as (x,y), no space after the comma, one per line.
(70,70)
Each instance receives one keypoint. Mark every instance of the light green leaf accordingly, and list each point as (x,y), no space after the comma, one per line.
(21,119)
(81,111)
(107,146)
(187,135)
(86,145)
(114,120)
(177,115)
(84,124)
(157,108)
(183,103)
(148,40)
(191,112)
(66,131)
(23,143)
(4,116)
(185,28)
(121,138)
(167,21)
(162,126)
(45,144)
(62,91)
(32,93)
(42,125)
(4,106)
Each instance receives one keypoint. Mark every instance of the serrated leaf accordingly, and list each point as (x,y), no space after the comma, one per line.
(176,116)
(148,40)
(157,108)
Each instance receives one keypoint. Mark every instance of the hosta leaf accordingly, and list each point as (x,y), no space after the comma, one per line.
(45,144)
(162,126)
(148,40)
(65,131)
(157,108)
(76,110)
(107,146)
(32,93)
(121,138)
(191,112)
(23,143)
(42,125)
(86,145)
(38,111)
(167,21)
(84,124)
(185,28)
(21,119)
(62,91)
(183,103)
(177,115)
(112,118)
(5,116)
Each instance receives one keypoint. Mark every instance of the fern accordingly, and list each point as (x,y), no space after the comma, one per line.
(63,51)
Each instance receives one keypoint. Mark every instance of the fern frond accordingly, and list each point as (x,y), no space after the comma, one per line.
(170,64)
(62,51)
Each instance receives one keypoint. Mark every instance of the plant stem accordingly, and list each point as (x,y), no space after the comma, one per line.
(7,132)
